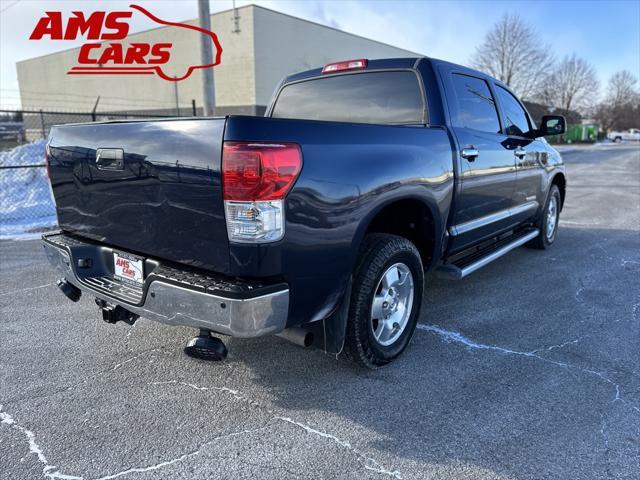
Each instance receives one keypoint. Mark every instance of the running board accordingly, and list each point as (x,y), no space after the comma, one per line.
(462,268)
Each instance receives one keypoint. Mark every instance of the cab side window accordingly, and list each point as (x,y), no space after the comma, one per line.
(516,119)
(476,106)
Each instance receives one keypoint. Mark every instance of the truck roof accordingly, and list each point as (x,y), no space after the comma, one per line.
(385,63)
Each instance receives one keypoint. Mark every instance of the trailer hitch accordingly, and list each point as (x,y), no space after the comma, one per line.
(115,313)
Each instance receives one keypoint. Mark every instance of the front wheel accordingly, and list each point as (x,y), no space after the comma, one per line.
(385,300)
(548,221)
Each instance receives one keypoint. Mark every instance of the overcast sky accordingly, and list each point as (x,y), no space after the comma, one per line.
(606,33)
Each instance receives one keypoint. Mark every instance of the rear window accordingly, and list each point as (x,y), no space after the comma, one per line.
(375,97)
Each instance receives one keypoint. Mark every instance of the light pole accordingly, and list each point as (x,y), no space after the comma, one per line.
(175,94)
(206,58)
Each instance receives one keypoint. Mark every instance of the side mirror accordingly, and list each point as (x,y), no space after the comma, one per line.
(552,125)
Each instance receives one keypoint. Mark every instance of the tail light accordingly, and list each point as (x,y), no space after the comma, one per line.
(256,177)
(346,65)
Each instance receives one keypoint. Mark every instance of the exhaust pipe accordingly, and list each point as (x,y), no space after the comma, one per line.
(297,335)
(72,292)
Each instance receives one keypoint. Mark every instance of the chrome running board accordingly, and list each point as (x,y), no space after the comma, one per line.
(463,267)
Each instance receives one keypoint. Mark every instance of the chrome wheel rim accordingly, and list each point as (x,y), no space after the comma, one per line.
(552,217)
(392,304)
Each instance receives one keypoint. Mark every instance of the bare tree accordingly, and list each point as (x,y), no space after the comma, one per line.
(621,107)
(513,53)
(572,85)
(622,88)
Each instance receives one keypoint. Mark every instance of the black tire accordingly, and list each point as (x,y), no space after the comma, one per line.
(544,240)
(380,252)
(617,140)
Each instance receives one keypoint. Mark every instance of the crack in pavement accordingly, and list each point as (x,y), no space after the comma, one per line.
(452,336)
(368,462)
(626,262)
(182,457)
(456,337)
(86,380)
(579,291)
(129,332)
(48,470)
(25,289)
(51,471)
(605,442)
(562,345)
(135,357)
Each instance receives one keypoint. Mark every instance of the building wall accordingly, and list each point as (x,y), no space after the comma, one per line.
(268,46)
(286,45)
(44,80)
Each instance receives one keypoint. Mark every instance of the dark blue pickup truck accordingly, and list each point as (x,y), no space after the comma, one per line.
(316,222)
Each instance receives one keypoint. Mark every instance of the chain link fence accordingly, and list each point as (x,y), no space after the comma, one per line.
(26,204)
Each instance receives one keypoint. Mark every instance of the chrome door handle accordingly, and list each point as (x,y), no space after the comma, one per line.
(110,158)
(520,153)
(470,153)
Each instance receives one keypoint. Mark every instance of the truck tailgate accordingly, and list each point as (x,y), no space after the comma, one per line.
(148,187)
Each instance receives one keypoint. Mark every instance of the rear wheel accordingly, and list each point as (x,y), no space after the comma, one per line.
(548,221)
(385,300)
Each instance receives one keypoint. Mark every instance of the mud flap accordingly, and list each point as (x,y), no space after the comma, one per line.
(329,334)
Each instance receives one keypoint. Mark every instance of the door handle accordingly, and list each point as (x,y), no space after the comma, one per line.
(520,153)
(470,153)
(110,158)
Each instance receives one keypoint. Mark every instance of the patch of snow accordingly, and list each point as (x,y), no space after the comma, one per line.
(26,203)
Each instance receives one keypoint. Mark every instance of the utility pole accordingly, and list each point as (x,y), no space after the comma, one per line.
(206,58)
(95,107)
(175,94)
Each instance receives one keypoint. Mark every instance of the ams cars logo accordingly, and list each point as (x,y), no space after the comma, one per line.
(112,57)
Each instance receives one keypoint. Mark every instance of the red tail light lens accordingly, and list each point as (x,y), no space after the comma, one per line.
(259,171)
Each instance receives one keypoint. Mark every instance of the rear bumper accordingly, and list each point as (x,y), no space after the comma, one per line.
(171,295)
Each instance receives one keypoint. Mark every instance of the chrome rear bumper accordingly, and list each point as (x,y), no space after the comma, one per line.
(250,315)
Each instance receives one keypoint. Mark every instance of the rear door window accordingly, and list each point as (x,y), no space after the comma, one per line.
(476,107)
(393,97)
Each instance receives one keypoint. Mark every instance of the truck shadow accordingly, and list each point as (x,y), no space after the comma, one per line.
(483,383)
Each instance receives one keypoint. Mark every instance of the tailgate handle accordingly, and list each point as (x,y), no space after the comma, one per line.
(110,158)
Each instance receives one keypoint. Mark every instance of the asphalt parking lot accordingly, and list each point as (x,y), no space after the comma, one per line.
(527,369)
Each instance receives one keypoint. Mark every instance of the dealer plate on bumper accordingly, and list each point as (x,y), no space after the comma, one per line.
(128,268)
